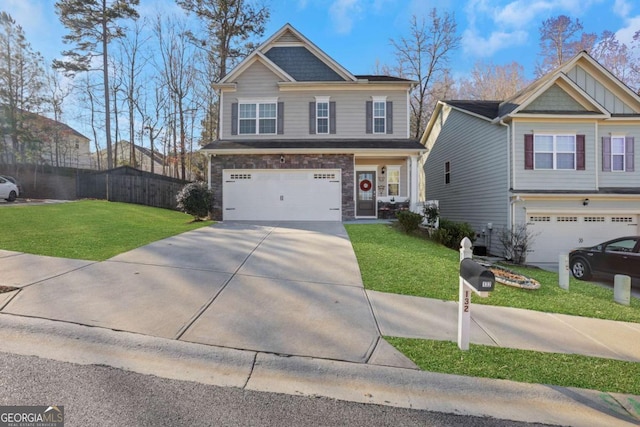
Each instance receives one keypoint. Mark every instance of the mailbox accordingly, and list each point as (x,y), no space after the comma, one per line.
(477,276)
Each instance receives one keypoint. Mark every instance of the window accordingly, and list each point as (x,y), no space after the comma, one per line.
(617,153)
(447,172)
(379,116)
(554,152)
(322,117)
(257,118)
(393,181)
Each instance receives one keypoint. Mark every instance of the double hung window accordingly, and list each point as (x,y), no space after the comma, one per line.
(554,152)
(618,151)
(379,116)
(393,181)
(257,118)
(322,116)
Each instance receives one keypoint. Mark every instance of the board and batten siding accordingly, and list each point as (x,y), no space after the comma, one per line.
(259,82)
(598,91)
(479,189)
(546,179)
(617,178)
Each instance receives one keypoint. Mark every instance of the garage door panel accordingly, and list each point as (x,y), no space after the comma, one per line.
(559,233)
(302,194)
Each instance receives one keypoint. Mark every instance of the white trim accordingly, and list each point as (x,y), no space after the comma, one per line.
(624,153)
(323,100)
(554,151)
(379,100)
(258,102)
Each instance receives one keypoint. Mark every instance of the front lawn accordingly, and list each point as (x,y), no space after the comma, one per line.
(391,261)
(89,229)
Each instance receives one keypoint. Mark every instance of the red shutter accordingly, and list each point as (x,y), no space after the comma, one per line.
(528,151)
(628,153)
(606,154)
(580,152)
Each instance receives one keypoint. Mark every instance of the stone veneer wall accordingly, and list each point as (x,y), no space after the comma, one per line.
(343,162)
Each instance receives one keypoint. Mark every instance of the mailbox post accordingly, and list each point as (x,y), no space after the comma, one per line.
(473,278)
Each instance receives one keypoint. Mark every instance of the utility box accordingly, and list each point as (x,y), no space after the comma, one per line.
(475,275)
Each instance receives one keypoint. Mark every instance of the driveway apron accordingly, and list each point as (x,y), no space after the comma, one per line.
(288,288)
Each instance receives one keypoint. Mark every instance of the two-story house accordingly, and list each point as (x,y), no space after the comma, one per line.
(558,157)
(301,138)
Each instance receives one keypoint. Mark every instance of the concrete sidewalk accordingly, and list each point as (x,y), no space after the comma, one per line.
(257,291)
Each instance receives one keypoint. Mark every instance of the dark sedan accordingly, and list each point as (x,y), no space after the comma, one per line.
(618,256)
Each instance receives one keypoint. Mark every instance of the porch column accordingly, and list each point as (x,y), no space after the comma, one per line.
(209,172)
(413,183)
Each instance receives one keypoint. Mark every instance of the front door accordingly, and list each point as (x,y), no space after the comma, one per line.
(366,200)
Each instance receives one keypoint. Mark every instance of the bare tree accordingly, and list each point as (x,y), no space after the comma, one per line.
(493,82)
(424,56)
(561,38)
(618,58)
(92,25)
(57,93)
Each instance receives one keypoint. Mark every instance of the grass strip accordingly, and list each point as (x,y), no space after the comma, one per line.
(566,370)
(392,261)
(88,229)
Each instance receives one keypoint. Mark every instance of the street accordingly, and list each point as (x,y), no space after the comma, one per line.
(104,396)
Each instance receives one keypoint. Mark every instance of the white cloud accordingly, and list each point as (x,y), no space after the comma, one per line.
(476,45)
(519,13)
(625,35)
(343,13)
(622,8)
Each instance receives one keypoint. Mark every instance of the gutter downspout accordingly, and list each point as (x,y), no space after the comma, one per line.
(209,171)
(510,153)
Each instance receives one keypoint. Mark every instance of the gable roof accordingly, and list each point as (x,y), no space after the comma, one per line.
(286,62)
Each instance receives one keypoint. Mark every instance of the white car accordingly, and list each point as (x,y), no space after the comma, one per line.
(8,190)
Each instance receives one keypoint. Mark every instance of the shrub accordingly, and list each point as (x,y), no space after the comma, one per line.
(431,213)
(451,233)
(409,221)
(195,199)
(516,242)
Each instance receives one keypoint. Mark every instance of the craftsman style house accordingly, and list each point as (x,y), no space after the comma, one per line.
(559,157)
(301,138)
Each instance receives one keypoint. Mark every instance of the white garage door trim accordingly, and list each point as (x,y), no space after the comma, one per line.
(554,233)
(282,194)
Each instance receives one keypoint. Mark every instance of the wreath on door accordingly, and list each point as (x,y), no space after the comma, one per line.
(365,185)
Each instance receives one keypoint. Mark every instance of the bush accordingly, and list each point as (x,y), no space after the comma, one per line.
(409,221)
(451,233)
(195,199)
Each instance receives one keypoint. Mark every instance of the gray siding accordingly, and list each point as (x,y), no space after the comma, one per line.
(555,99)
(619,179)
(598,91)
(479,188)
(259,82)
(555,179)
(301,64)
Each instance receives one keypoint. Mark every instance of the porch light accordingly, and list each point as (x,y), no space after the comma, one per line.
(383,170)
(282,159)
(585,202)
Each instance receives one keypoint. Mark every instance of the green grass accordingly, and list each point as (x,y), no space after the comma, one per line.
(391,261)
(88,229)
(567,370)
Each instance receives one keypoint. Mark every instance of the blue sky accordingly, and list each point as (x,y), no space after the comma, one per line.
(356,33)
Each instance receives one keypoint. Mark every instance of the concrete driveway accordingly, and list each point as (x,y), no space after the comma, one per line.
(286,288)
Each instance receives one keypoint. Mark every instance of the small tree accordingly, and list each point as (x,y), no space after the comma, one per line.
(196,200)
(516,242)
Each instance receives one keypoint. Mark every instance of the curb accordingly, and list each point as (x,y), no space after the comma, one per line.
(302,376)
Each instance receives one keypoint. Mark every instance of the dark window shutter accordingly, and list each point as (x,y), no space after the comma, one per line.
(312,117)
(369,114)
(280,118)
(606,154)
(389,116)
(528,151)
(332,117)
(234,118)
(580,152)
(628,153)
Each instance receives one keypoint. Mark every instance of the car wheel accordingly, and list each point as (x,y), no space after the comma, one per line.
(580,269)
(12,197)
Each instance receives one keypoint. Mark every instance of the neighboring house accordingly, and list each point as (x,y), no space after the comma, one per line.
(50,142)
(559,157)
(144,158)
(301,138)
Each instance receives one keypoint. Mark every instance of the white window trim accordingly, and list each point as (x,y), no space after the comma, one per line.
(388,173)
(324,100)
(624,153)
(555,151)
(383,100)
(257,102)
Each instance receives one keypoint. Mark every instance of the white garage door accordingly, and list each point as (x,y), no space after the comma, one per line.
(282,195)
(558,233)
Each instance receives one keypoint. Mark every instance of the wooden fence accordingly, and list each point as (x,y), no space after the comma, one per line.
(129,185)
